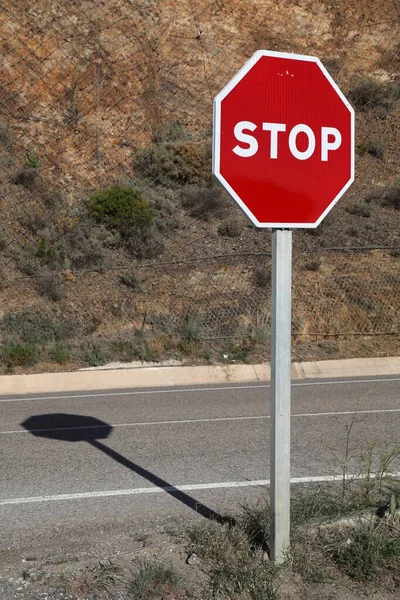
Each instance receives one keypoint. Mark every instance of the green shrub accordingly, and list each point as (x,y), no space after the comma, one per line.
(369,552)
(59,353)
(127,350)
(95,355)
(14,354)
(45,252)
(120,207)
(173,159)
(191,329)
(35,327)
(32,161)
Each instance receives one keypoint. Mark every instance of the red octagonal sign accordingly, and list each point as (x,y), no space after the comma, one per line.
(283,140)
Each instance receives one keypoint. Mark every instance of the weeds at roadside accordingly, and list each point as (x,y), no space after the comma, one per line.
(153,580)
(236,566)
(94,580)
(370,552)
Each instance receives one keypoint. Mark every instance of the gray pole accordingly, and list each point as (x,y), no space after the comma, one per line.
(280,392)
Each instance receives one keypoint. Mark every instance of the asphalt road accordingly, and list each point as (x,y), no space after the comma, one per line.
(88,470)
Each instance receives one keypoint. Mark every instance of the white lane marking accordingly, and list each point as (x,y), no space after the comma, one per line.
(210,420)
(193,390)
(181,488)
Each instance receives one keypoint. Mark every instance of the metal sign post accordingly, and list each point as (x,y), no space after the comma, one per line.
(280,393)
(283,148)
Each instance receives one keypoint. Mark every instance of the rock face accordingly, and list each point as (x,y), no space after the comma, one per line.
(86,83)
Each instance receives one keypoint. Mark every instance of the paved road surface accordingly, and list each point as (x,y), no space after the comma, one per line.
(61,487)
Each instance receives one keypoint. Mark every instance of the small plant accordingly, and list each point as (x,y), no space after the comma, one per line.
(191,331)
(173,159)
(26,177)
(32,161)
(232,228)
(35,327)
(204,201)
(127,350)
(369,552)
(59,353)
(392,196)
(374,148)
(317,503)
(5,135)
(18,354)
(144,243)
(235,561)
(313,264)
(95,355)
(360,210)
(45,252)
(120,207)
(371,94)
(83,246)
(262,274)
(50,285)
(386,197)
(238,352)
(131,280)
(153,580)
(91,580)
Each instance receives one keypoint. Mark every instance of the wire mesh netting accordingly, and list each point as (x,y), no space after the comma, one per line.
(96,94)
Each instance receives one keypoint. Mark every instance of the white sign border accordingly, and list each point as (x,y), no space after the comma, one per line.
(217,136)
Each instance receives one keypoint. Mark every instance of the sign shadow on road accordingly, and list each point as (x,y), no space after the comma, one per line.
(79,428)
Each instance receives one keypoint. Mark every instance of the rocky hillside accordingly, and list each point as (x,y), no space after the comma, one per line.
(119,93)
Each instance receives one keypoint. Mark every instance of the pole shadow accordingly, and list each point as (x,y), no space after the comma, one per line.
(78,428)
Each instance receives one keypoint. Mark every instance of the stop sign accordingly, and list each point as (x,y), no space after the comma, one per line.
(283,140)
